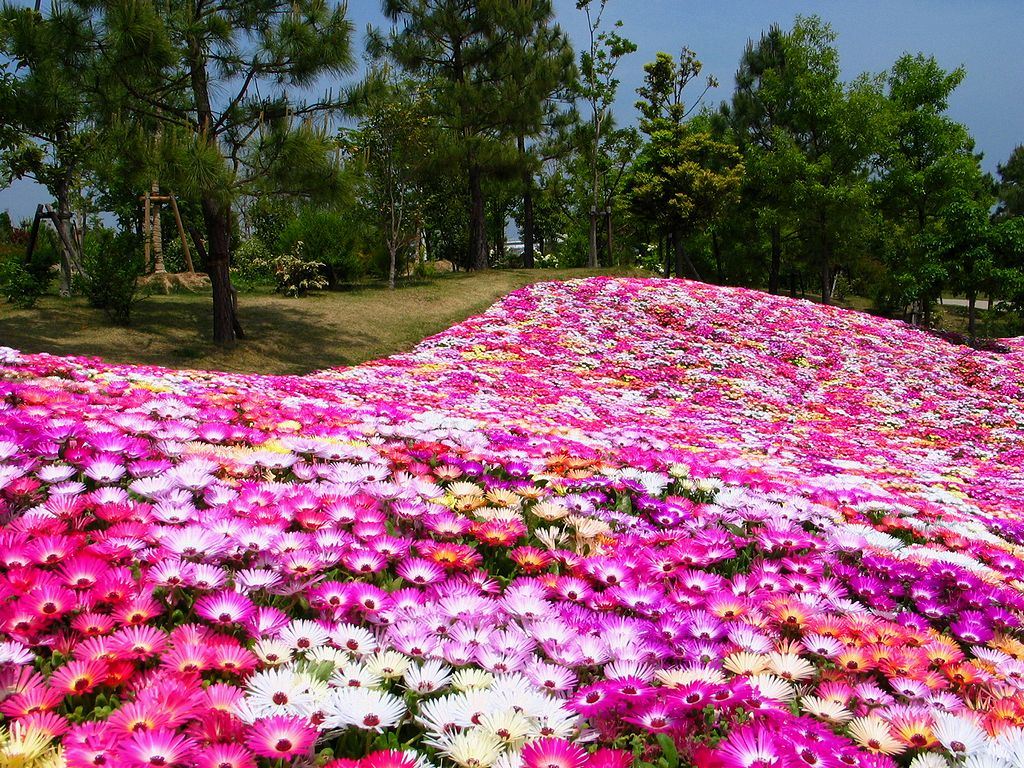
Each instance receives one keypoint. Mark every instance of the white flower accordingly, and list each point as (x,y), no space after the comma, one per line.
(430,676)
(387,664)
(471,678)
(303,635)
(1009,745)
(272,652)
(13,652)
(354,675)
(363,708)
(438,715)
(472,748)
(279,691)
(772,688)
(509,726)
(353,639)
(961,734)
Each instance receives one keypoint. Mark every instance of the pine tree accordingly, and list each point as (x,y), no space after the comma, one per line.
(46,110)
(221,77)
(489,67)
(684,176)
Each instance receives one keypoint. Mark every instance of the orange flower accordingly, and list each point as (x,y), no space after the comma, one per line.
(530,559)
(854,660)
(942,651)
(964,674)
(914,730)
(789,614)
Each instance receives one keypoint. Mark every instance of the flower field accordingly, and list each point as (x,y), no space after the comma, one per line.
(608,523)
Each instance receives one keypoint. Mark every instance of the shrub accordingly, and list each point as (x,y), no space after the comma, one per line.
(297,275)
(252,261)
(329,237)
(113,264)
(21,283)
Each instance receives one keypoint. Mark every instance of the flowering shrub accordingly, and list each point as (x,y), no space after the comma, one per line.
(294,274)
(608,523)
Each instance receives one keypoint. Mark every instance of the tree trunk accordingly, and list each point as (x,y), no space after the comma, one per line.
(683,263)
(608,229)
(972,301)
(393,254)
(592,261)
(826,263)
(217,217)
(776,263)
(70,259)
(670,240)
(716,250)
(528,224)
(477,220)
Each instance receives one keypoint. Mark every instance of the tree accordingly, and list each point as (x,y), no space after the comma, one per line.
(219,77)
(755,120)
(1011,184)
(598,87)
(926,164)
(479,62)
(549,68)
(393,138)
(46,111)
(684,177)
(977,252)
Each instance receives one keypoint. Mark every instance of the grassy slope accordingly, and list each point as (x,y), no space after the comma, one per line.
(285,335)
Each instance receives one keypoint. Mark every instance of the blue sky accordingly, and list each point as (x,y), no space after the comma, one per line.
(983,35)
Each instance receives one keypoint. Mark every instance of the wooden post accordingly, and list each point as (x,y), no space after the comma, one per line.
(158,237)
(34,234)
(147,230)
(181,234)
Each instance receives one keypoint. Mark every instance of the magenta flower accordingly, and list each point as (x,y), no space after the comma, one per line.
(553,753)
(225,608)
(281,736)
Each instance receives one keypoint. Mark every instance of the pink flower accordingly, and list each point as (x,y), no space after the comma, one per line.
(281,736)
(225,607)
(553,753)
(160,749)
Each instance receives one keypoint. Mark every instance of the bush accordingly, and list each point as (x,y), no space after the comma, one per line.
(23,284)
(113,264)
(331,238)
(296,275)
(174,254)
(252,262)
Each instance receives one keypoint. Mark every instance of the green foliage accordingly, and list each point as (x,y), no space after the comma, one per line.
(329,237)
(1011,184)
(684,177)
(394,137)
(489,69)
(113,263)
(268,215)
(251,261)
(22,284)
(219,96)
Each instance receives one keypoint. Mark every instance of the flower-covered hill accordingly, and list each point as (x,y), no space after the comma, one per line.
(822,395)
(608,522)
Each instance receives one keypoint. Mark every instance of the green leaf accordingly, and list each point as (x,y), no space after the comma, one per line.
(669,750)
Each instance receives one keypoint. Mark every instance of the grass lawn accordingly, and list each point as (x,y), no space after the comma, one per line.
(284,335)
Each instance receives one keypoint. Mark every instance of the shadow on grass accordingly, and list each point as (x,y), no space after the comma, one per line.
(177,331)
